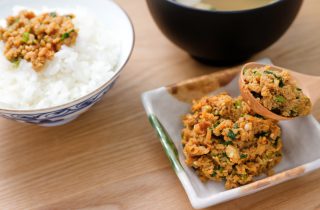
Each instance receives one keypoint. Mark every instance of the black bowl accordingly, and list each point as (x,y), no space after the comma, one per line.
(223,37)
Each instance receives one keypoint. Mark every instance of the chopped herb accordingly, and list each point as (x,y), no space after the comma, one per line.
(53,14)
(242,156)
(15,63)
(281,83)
(299,89)
(213,154)
(280,99)
(216,124)
(244,176)
(25,37)
(214,174)
(226,143)
(256,73)
(242,115)
(65,36)
(207,108)
(237,104)
(232,135)
(269,72)
(235,125)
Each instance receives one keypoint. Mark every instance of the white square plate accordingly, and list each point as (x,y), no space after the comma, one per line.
(301,142)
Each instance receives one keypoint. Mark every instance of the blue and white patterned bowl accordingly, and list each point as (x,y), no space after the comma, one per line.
(104,10)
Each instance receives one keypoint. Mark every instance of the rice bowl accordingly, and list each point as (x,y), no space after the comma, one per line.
(115,19)
(73,72)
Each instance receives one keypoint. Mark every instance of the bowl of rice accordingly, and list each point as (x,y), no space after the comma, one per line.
(59,59)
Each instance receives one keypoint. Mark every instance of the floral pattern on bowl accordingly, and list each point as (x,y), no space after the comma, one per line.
(60,116)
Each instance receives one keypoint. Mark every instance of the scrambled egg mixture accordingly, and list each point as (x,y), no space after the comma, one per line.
(224,140)
(277,92)
(36,38)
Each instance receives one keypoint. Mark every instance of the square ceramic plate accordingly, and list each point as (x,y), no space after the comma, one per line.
(166,105)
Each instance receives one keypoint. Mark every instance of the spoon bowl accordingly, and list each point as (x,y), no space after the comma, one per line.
(309,84)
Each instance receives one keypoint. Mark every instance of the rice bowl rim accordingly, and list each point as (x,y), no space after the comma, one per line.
(118,70)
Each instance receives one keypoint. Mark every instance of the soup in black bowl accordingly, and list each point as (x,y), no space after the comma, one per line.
(220,36)
(225,5)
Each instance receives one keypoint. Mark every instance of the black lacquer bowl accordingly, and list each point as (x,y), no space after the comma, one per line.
(223,37)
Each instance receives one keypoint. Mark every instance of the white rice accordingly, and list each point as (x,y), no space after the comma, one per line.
(74,71)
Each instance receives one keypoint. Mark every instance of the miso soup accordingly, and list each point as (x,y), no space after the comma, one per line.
(226,5)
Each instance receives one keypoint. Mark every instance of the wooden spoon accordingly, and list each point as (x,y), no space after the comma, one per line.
(310,86)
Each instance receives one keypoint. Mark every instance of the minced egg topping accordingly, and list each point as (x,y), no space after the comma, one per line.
(36,38)
(224,140)
(277,91)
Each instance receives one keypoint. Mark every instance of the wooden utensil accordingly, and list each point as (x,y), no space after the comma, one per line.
(310,86)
